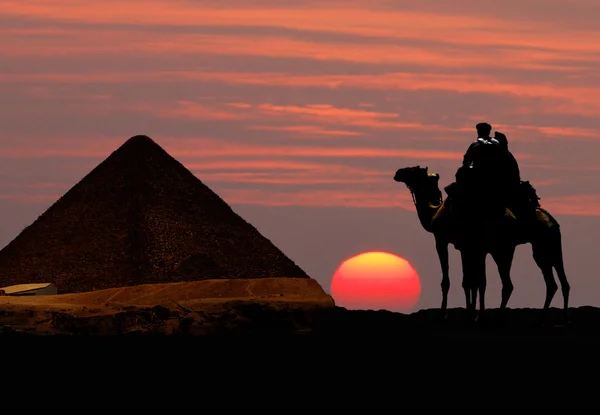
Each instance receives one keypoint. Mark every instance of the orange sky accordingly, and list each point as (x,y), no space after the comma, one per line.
(310,105)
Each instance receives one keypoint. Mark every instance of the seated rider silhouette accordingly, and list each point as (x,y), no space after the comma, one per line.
(512,180)
(487,176)
(522,197)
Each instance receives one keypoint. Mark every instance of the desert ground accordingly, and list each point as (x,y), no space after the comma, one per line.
(200,307)
(272,306)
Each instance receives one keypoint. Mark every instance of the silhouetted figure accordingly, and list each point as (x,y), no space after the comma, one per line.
(544,236)
(522,197)
(488,175)
(476,149)
(511,166)
(516,192)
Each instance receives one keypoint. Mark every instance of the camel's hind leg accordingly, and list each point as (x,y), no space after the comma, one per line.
(503,259)
(565,287)
(557,262)
(543,258)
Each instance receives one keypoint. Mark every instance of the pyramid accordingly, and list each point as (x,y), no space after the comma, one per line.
(140,217)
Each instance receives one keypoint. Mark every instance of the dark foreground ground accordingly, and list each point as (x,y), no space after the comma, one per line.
(286,308)
(280,320)
(250,343)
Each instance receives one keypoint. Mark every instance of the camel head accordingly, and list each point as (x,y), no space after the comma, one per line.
(412,175)
(418,179)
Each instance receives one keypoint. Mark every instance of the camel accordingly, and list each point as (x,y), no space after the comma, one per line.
(473,242)
(542,230)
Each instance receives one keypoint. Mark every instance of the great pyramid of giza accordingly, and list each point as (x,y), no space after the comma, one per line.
(139,217)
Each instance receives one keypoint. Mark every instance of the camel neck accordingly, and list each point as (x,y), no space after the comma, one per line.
(425,208)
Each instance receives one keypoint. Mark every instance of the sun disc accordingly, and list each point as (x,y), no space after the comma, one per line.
(376,280)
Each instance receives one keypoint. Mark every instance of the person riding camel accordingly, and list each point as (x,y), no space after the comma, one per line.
(522,197)
(512,175)
(487,173)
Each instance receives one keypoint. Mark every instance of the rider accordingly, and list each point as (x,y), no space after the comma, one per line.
(522,198)
(486,171)
(511,167)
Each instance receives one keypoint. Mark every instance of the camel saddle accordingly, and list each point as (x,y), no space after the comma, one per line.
(525,201)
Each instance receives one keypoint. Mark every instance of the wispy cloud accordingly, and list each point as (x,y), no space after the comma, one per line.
(316,198)
(212,148)
(579,205)
(578,97)
(310,130)
(257,96)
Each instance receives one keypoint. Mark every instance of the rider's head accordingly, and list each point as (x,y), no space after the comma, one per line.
(501,138)
(483,129)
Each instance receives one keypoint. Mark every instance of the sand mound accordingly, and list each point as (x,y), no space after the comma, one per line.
(264,289)
(201,307)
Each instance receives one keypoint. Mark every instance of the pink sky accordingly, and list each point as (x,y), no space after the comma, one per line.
(310,108)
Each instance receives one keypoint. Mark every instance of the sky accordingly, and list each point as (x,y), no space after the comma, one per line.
(299,113)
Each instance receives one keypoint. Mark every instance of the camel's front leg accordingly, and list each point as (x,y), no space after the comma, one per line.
(468,284)
(442,250)
(481,285)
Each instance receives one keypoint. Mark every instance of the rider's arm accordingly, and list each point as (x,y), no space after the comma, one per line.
(467,158)
(513,167)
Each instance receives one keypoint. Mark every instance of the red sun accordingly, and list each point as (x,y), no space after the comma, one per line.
(376,281)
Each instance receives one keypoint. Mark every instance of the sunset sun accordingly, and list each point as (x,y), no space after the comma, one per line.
(376,280)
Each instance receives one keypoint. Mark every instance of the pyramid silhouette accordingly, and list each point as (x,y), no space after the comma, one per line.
(139,217)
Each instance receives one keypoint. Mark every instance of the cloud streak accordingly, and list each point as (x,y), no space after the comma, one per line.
(284,102)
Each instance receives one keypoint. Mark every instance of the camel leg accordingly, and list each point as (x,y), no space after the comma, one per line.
(543,259)
(504,259)
(474,298)
(469,283)
(481,278)
(473,260)
(468,300)
(562,277)
(442,251)
(482,286)
(465,282)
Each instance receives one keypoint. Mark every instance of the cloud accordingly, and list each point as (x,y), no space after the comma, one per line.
(572,132)
(577,97)
(29,199)
(316,198)
(289,172)
(577,205)
(309,130)
(434,15)
(354,85)
(574,205)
